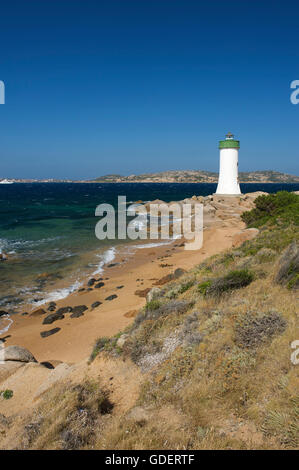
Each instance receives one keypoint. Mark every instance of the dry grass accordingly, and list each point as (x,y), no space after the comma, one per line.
(69,417)
(218,375)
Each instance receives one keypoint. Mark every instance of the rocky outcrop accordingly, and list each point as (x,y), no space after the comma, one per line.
(18,354)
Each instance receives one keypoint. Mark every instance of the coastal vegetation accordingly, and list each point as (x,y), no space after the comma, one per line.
(213,352)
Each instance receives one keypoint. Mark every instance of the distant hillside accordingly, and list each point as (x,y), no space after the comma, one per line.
(199,176)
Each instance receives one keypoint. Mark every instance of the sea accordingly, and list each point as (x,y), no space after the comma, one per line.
(48,232)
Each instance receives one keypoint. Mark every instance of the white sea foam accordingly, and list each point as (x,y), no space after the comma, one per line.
(5,323)
(153,245)
(6,244)
(59,294)
(106,258)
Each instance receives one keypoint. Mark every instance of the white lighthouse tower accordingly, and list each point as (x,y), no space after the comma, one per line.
(228,184)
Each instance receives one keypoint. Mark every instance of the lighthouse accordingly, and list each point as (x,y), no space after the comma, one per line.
(228,184)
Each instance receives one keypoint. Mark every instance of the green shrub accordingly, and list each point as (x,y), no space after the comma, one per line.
(6,394)
(152,305)
(204,286)
(186,286)
(101,344)
(282,207)
(233,280)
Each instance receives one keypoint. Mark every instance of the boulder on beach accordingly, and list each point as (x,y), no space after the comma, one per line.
(111,297)
(45,334)
(78,311)
(96,304)
(17,353)
(100,284)
(52,317)
(38,312)
(51,307)
(142,292)
(63,310)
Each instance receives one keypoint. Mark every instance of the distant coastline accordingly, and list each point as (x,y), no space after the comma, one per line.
(174,176)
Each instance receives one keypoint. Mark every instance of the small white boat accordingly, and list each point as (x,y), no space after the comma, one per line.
(6,182)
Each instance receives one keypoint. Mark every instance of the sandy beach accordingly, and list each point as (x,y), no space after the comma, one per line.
(141,271)
(127,281)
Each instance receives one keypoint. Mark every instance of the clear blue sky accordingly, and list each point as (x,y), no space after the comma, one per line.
(107,86)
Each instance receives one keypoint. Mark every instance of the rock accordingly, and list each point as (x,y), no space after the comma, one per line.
(78,311)
(119,287)
(80,308)
(77,314)
(142,292)
(82,289)
(3,312)
(111,265)
(3,257)
(244,235)
(47,364)
(164,280)
(51,308)
(52,362)
(17,353)
(178,273)
(153,294)
(100,284)
(63,310)
(52,317)
(131,314)
(121,340)
(111,297)
(38,312)
(45,334)
(24,313)
(91,282)
(96,304)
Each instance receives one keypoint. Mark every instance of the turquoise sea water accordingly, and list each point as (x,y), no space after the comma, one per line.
(47,230)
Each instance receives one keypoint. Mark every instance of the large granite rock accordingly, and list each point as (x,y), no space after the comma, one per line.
(16,353)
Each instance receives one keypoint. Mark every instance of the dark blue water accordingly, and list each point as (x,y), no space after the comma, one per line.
(47,230)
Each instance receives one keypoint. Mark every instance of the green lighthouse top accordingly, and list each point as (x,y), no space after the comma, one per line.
(229,142)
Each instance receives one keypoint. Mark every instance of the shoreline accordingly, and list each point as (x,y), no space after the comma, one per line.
(75,337)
